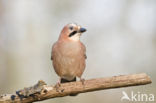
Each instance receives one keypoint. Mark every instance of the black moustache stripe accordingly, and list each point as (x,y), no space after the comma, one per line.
(72,33)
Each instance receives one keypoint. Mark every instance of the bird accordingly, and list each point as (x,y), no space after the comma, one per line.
(69,54)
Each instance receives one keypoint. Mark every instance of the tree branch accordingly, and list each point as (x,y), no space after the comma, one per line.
(41,91)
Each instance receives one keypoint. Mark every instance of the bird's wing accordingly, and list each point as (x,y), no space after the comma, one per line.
(85,56)
(53,47)
(51,57)
(84,50)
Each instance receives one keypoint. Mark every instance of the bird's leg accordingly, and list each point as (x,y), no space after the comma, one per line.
(58,84)
(82,80)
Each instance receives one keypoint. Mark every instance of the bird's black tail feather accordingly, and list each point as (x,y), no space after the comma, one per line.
(66,81)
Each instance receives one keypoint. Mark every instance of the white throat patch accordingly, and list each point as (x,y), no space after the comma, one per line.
(75,37)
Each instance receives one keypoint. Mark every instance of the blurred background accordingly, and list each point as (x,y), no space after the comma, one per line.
(120,39)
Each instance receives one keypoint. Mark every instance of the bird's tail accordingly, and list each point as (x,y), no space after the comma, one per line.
(66,81)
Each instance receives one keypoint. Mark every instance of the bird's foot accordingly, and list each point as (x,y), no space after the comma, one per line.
(57,86)
(82,80)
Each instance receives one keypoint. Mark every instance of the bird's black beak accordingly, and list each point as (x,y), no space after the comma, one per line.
(82,30)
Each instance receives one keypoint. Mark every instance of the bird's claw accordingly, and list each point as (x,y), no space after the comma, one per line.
(82,80)
(57,86)
(58,89)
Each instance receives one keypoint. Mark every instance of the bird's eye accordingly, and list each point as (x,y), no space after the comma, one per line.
(71,27)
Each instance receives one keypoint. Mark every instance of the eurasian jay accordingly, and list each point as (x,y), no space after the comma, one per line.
(69,54)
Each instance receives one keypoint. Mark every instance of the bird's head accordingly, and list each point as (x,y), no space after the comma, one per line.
(71,32)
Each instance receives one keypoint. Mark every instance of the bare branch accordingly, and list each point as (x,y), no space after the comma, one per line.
(41,91)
